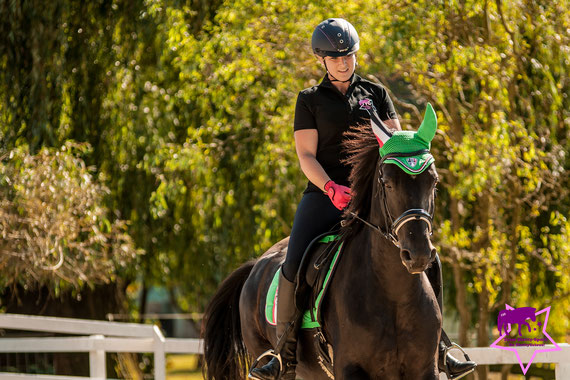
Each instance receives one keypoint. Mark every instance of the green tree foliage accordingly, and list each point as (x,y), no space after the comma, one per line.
(189,109)
(55,74)
(231,187)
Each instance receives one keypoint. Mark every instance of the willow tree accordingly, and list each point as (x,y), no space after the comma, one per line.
(58,219)
(227,192)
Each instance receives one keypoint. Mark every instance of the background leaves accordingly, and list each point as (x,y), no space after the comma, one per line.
(188,109)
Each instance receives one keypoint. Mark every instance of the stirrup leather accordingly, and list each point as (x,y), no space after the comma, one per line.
(449,348)
(270,353)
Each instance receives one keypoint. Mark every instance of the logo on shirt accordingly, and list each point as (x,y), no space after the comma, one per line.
(366,104)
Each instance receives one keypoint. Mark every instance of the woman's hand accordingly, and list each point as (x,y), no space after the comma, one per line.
(339,194)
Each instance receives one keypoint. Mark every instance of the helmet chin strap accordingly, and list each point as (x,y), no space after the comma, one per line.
(332,76)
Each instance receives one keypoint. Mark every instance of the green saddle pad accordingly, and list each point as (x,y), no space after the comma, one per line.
(271,299)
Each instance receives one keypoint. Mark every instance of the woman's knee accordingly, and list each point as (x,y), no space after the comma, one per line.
(289,270)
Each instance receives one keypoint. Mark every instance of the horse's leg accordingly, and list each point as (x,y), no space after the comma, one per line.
(255,342)
(429,374)
(309,367)
(351,366)
(352,372)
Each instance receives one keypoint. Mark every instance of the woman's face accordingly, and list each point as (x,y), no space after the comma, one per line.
(341,68)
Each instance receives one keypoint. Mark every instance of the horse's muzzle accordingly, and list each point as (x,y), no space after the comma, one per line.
(417,260)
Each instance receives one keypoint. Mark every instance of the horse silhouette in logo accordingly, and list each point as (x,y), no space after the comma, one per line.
(518,316)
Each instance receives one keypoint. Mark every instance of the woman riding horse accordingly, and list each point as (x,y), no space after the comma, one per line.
(323,114)
(381,317)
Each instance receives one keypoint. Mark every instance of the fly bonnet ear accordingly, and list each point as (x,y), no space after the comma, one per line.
(427,129)
(411,141)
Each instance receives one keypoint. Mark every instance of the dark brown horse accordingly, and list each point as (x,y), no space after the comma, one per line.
(380,315)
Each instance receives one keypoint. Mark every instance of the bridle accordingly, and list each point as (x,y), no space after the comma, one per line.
(391,225)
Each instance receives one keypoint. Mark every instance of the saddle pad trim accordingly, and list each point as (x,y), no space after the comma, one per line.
(271,307)
(272,292)
(329,238)
(308,321)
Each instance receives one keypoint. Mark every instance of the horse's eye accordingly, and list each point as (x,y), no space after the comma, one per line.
(385,183)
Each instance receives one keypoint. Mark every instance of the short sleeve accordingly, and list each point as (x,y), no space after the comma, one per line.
(304,118)
(386,107)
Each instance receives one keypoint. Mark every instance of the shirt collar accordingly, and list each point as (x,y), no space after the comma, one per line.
(326,82)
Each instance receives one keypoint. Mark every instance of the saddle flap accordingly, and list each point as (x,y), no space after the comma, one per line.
(313,277)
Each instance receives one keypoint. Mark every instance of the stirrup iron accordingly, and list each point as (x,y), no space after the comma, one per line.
(270,353)
(449,348)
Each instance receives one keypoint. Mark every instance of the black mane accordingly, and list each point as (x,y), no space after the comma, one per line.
(362,149)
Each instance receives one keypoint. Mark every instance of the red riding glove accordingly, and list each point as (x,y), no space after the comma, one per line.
(339,194)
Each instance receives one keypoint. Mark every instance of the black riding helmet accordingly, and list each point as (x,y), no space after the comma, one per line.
(335,37)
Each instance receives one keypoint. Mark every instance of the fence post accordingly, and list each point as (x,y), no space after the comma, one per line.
(159,357)
(97,360)
(562,371)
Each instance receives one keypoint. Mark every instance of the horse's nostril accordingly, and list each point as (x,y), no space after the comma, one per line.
(406,256)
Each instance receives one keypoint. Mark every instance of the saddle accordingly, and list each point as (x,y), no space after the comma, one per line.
(317,268)
(313,277)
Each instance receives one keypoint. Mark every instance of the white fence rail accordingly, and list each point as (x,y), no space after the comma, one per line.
(98,338)
(490,356)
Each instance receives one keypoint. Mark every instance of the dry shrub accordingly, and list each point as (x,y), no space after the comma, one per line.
(55,230)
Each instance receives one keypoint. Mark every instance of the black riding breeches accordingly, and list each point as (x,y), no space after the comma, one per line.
(315,215)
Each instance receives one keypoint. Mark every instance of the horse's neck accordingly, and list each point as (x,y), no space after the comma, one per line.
(386,267)
(398,285)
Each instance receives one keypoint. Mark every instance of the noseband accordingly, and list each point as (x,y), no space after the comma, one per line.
(392,226)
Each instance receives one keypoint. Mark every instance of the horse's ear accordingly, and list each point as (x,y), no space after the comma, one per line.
(429,125)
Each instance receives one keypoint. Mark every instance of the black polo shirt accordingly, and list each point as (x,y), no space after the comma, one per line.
(326,109)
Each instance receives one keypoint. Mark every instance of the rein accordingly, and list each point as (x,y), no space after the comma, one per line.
(390,232)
